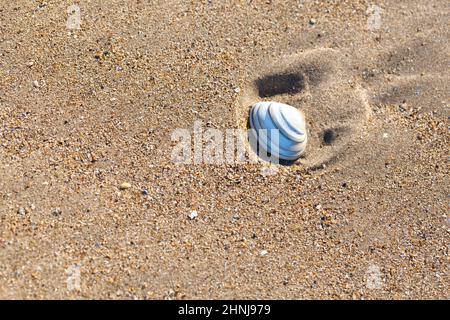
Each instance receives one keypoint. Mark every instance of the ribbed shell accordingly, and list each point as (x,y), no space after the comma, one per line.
(291,127)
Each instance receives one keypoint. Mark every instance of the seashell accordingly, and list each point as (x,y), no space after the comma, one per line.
(290,124)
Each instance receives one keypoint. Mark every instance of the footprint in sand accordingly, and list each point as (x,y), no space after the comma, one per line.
(319,83)
(417,74)
(336,92)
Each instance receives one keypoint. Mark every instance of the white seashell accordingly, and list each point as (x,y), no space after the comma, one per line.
(290,122)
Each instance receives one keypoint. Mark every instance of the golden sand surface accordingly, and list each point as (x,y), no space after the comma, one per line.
(93,206)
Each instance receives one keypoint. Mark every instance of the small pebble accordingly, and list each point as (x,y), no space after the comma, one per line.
(36,84)
(193,214)
(237,90)
(125,186)
(263,253)
(57,212)
(269,170)
(21,211)
(312,21)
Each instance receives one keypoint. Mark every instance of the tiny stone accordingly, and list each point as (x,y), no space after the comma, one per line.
(35,84)
(145,192)
(193,214)
(312,21)
(319,206)
(125,186)
(21,211)
(269,170)
(57,212)
(263,253)
(237,90)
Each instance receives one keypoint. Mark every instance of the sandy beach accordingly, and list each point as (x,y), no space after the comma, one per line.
(92,205)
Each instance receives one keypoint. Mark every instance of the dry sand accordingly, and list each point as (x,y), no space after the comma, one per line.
(363,215)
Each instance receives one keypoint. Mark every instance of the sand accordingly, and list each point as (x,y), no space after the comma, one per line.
(92,205)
